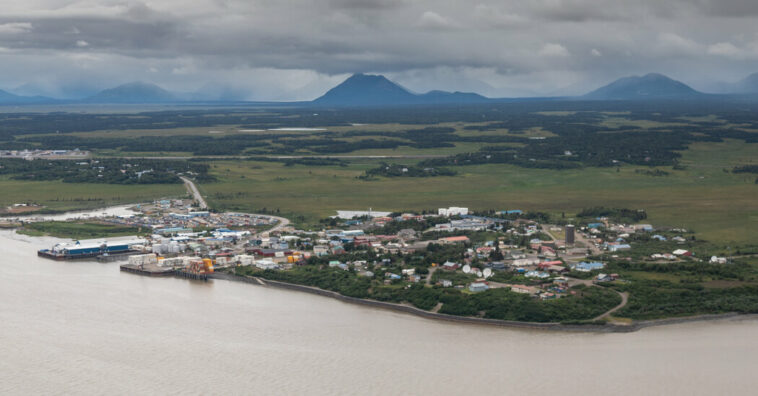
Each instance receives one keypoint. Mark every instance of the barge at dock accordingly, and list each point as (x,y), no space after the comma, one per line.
(91,248)
(185,267)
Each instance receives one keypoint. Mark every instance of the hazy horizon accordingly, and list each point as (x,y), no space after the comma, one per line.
(268,50)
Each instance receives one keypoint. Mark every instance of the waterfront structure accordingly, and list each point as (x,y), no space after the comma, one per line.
(91,248)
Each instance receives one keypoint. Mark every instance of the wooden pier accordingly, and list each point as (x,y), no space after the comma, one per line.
(149,270)
(203,276)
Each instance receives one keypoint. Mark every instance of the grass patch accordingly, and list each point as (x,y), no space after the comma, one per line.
(77,230)
(58,196)
(721,207)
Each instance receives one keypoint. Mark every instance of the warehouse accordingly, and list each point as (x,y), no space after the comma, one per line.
(91,247)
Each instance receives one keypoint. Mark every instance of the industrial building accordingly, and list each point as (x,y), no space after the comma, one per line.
(92,248)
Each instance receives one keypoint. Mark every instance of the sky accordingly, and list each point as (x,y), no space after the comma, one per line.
(298,49)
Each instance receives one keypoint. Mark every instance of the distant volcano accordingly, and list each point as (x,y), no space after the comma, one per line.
(377,90)
(649,86)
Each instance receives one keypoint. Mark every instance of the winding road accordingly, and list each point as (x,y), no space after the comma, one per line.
(590,283)
(283,222)
(587,282)
(624,299)
(192,189)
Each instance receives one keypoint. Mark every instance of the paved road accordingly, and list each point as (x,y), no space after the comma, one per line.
(192,189)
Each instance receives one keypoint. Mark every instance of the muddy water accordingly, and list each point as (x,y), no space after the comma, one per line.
(84,327)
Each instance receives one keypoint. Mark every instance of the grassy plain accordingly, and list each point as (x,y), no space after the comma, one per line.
(122,133)
(77,230)
(718,205)
(223,130)
(59,196)
(704,196)
(230,130)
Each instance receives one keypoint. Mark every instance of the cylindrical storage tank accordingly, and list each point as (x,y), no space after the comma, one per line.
(570,234)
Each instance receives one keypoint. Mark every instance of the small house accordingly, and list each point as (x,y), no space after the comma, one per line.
(588,266)
(682,252)
(523,289)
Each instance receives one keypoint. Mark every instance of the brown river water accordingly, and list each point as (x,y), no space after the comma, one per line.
(84,327)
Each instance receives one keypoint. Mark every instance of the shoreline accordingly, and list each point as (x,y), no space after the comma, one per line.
(584,328)
(63,215)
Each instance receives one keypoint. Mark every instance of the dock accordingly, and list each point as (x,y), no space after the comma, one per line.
(47,253)
(157,271)
(147,270)
(91,248)
(203,276)
(99,256)
(109,258)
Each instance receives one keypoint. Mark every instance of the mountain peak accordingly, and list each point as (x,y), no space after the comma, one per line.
(366,90)
(655,76)
(5,95)
(376,90)
(649,86)
(133,92)
(361,77)
(10,98)
(748,84)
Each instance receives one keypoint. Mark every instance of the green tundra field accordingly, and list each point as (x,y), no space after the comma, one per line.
(555,158)
(719,206)
(57,196)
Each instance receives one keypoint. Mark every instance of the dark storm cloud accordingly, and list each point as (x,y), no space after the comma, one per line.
(728,8)
(367,4)
(101,33)
(510,46)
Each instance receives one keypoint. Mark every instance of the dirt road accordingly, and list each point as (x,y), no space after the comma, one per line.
(192,189)
(624,299)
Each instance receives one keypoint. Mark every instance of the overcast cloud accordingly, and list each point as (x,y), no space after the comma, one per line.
(296,49)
